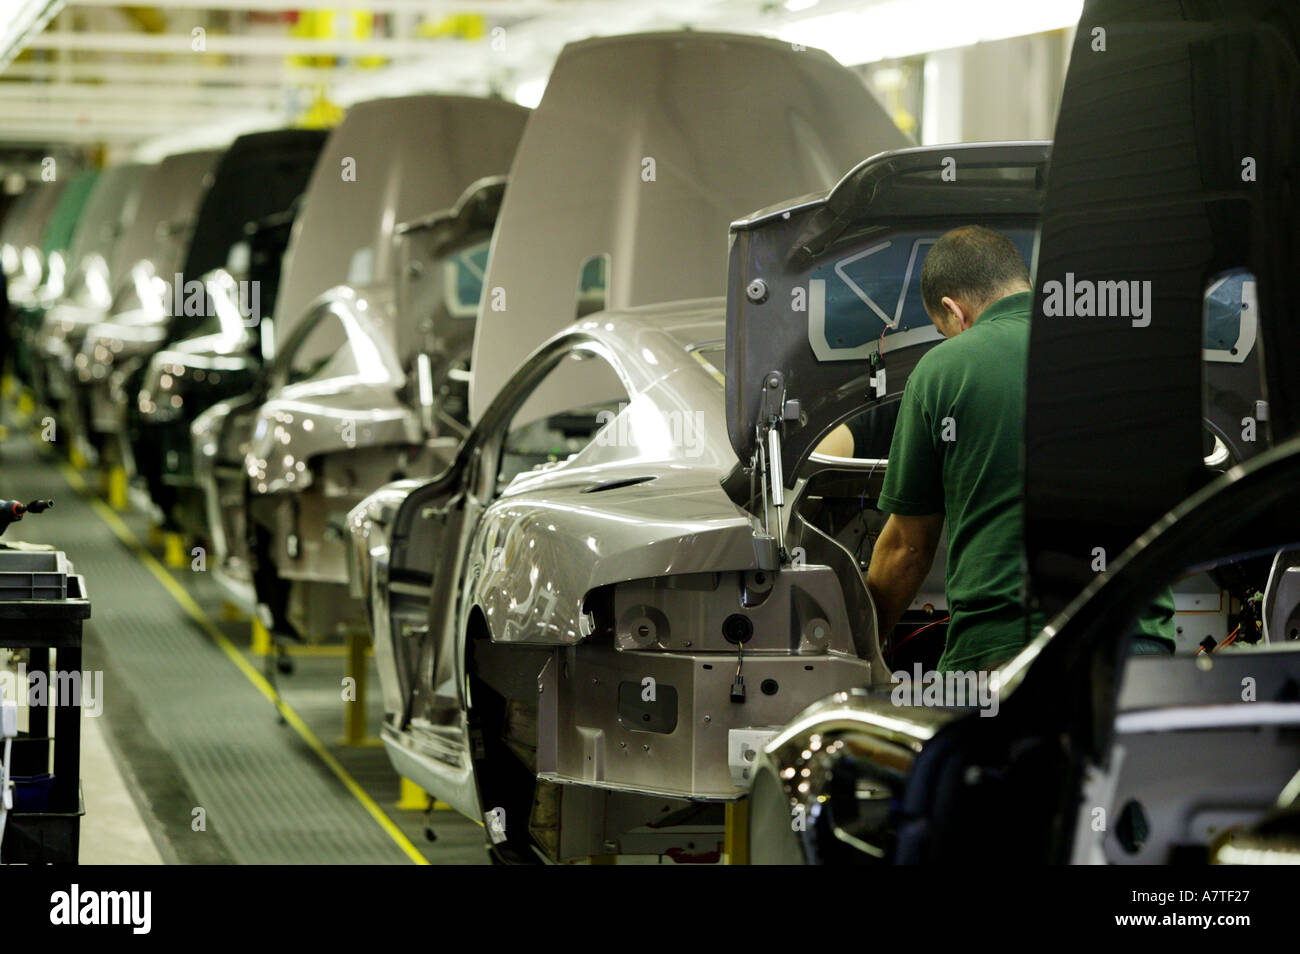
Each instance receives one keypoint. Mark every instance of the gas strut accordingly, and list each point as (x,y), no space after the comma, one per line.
(11,511)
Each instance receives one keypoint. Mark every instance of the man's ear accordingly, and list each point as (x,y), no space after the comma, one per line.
(957,313)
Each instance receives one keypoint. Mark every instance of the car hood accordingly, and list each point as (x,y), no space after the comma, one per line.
(1116,405)
(675,134)
(389,161)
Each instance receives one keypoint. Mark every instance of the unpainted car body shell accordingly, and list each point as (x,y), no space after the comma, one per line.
(670,151)
(390,161)
(529,559)
(88,292)
(151,251)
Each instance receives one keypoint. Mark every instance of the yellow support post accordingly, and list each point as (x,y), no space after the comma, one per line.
(25,405)
(75,457)
(175,553)
(413,798)
(354,709)
(117,498)
(230,613)
(261,639)
(735,845)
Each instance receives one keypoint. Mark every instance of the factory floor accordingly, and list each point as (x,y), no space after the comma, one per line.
(189,759)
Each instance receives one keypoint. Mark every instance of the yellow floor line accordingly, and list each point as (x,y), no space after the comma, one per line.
(124,533)
(323,652)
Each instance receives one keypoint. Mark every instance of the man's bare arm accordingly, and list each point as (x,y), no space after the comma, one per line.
(838,443)
(900,561)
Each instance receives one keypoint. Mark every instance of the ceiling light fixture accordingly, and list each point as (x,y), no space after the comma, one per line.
(19,21)
(899,28)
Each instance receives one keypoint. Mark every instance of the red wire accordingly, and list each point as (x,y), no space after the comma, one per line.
(1232,638)
(917,632)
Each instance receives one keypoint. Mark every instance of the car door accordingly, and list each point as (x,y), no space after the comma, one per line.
(431,561)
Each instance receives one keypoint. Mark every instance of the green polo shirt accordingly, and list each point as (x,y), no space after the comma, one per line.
(957,451)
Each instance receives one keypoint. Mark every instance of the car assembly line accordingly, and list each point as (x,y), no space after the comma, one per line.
(503,468)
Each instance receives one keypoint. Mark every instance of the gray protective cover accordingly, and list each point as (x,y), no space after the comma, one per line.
(169,201)
(581,186)
(411,156)
(109,211)
(30,216)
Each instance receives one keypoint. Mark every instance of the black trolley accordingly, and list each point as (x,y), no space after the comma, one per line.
(42,608)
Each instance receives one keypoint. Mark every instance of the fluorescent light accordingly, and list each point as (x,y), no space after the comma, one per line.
(19,21)
(899,28)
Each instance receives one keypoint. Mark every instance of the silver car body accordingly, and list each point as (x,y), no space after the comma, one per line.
(574,588)
(88,289)
(334,419)
(20,248)
(141,312)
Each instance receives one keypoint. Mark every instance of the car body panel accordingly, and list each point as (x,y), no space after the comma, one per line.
(88,289)
(544,590)
(61,258)
(1095,445)
(631,124)
(242,224)
(390,162)
(25,266)
(56,244)
(230,363)
(150,252)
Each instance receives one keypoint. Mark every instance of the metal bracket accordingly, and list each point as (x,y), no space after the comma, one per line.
(773,411)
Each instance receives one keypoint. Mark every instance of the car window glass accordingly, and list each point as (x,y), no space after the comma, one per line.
(1234,409)
(324,352)
(589,395)
(464,280)
(592,282)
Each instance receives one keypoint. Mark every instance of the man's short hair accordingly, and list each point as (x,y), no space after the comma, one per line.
(973,263)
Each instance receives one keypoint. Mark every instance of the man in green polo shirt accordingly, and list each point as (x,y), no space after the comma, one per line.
(956,454)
